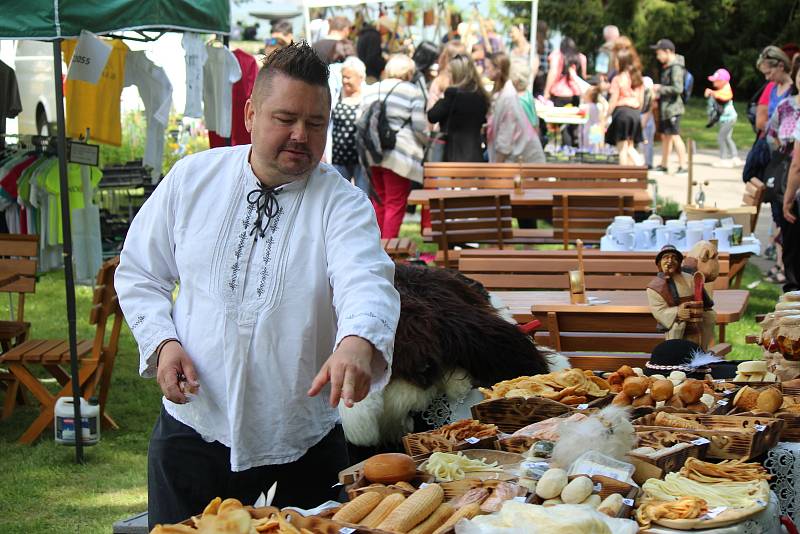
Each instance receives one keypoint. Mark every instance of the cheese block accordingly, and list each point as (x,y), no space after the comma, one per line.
(755,366)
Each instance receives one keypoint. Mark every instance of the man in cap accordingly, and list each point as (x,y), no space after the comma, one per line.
(671,298)
(670,103)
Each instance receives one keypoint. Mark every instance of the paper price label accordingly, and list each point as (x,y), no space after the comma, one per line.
(598,487)
(519,499)
(722,402)
(582,406)
(423,485)
(759,502)
(346,530)
(535,465)
(627,502)
(700,441)
(714,512)
(760,428)
(472,441)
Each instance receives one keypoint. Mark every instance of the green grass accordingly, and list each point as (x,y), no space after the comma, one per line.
(43,491)
(693,125)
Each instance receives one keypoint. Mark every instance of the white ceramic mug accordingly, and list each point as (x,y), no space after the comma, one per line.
(662,236)
(723,237)
(693,235)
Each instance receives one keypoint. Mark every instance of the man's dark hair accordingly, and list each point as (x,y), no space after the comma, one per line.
(298,61)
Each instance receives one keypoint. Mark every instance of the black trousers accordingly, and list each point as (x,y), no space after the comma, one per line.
(790,240)
(184,473)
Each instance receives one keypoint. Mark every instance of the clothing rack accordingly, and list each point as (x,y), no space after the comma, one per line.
(121,192)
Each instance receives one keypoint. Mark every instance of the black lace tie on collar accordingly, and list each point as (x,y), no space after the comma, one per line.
(264,199)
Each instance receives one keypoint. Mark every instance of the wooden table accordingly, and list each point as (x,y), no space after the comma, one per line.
(532,203)
(730,304)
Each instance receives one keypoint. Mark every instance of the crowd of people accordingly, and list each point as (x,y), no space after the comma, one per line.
(474,98)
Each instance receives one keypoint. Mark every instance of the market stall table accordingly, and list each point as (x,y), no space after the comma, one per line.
(531,203)
(729,304)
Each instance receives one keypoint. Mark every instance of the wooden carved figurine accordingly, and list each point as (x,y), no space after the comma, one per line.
(679,302)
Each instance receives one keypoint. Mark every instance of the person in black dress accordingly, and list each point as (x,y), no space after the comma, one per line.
(462,111)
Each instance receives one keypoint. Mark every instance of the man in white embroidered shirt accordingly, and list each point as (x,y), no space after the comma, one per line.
(279,263)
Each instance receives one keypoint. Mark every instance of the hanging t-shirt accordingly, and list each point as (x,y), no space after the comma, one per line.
(220,72)
(96,106)
(240,93)
(195,50)
(10,105)
(156,93)
(75,185)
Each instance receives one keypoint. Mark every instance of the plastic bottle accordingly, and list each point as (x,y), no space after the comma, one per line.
(64,421)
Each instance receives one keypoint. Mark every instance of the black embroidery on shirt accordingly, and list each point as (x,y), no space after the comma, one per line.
(139,320)
(268,253)
(240,248)
(370,314)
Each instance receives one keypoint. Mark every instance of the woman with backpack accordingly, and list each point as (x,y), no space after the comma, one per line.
(393,125)
(462,112)
(565,64)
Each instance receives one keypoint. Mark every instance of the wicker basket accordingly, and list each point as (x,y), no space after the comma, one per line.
(511,414)
(362,485)
(457,488)
(518,444)
(674,460)
(428,442)
(318,525)
(732,437)
(791,422)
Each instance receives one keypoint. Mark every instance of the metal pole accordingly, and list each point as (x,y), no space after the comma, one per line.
(67,253)
(690,149)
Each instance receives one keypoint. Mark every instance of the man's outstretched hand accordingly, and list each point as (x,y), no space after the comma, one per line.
(348,370)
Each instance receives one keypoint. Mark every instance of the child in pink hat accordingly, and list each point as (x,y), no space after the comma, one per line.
(720,109)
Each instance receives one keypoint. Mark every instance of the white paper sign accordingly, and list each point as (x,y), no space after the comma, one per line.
(472,440)
(722,402)
(627,502)
(700,441)
(582,406)
(714,512)
(89,58)
(760,428)
(346,530)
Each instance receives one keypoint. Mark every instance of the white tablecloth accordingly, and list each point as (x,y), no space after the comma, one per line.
(783,462)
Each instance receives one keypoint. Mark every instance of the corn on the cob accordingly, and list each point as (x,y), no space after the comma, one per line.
(358,508)
(414,510)
(382,511)
(434,521)
(469,511)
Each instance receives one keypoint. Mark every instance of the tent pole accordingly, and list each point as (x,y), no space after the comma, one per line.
(534,24)
(67,253)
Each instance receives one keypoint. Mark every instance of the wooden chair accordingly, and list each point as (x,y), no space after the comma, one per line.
(604,341)
(96,358)
(587,217)
(18,256)
(754,191)
(470,219)
(399,248)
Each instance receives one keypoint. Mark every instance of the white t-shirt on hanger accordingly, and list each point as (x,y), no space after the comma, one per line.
(196,56)
(220,72)
(156,93)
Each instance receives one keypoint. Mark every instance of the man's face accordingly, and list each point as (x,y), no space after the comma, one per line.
(288,123)
(662,56)
(669,263)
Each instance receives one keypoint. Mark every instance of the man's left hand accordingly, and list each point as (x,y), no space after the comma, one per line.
(348,370)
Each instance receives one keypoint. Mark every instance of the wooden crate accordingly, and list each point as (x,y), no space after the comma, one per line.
(428,442)
(791,426)
(517,444)
(732,437)
(673,461)
(362,485)
(511,414)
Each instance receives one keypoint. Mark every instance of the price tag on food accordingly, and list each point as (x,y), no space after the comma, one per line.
(760,428)
(582,406)
(598,487)
(627,502)
(472,440)
(699,441)
(714,512)
(722,402)
(346,530)
(759,502)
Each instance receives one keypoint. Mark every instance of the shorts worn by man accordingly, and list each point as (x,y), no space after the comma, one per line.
(279,262)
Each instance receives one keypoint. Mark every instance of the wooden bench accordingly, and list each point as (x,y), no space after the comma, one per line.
(604,341)
(532,175)
(547,269)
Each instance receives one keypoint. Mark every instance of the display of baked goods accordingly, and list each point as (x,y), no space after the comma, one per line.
(390,468)
(447,467)
(570,386)
(466,433)
(754,371)
(769,400)
(654,444)
(229,516)
(634,389)
(685,507)
(466,428)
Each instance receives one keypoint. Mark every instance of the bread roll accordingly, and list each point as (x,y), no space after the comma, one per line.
(697,407)
(644,400)
(625,371)
(769,400)
(658,377)
(708,400)
(621,399)
(691,391)
(746,399)
(675,402)
(661,390)
(390,468)
(635,386)
(680,376)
